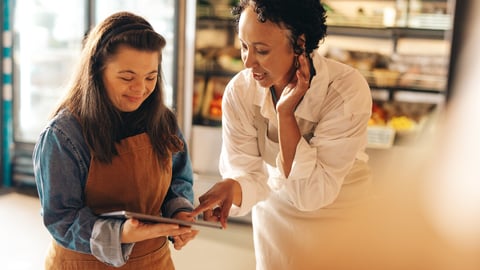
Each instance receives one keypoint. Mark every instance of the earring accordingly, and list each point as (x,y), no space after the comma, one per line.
(296,63)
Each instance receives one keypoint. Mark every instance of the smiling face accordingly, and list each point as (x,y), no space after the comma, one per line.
(130,77)
(266,50)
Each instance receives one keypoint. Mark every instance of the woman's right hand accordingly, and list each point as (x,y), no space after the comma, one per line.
(217,201)
(136,231)
(293,93)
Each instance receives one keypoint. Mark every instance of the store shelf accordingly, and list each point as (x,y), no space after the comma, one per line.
(400,72)
(401,25)
(361,31)
(212,21)
(214,70)
(386,32)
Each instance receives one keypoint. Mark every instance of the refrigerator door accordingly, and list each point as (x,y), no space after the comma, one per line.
(175,20)
(47,39)
(162,16)
(47,42)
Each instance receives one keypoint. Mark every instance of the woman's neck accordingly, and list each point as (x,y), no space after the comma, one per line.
(278,87)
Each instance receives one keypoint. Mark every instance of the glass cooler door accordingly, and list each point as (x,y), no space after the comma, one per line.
(47,39)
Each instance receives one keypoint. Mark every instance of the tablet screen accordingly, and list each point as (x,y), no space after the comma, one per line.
(159,219)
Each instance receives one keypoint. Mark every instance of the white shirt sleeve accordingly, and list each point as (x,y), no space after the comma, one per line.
(321,165)
(318,170)
(240,158)
(337,106)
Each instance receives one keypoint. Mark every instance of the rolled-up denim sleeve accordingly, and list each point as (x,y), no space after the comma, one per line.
(180,193)
(106,243)
(61,160)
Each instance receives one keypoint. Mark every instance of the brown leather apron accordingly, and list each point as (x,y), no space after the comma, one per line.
(135,181)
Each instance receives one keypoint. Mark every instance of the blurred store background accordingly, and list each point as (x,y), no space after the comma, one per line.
(408,50)
(403,48)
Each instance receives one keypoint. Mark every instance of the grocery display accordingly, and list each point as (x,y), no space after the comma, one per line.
(212,105)
(423,14)
(217,59)
(388,72)
(401,66)
(401,116)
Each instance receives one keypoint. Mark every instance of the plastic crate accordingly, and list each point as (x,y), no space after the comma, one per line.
(380,137)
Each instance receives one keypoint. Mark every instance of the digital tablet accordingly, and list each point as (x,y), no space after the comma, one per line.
(158,219)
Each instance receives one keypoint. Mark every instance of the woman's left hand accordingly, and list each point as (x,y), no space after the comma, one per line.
(179,241)
(293,93)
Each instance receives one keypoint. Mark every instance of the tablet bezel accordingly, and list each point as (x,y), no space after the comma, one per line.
(123,214)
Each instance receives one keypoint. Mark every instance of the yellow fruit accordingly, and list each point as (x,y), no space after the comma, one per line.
(401,123)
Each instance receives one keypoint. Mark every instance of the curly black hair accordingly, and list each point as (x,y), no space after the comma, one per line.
(299,16)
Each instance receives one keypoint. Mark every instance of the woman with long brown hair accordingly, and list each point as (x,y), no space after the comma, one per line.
(113,144)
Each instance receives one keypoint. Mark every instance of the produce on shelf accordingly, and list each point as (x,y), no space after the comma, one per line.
(402,123)
(378,117)
(401,116)
(212,102)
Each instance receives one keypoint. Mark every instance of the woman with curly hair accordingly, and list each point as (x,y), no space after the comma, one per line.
(294,135)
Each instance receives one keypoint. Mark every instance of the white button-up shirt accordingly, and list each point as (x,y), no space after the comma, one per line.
(332,118)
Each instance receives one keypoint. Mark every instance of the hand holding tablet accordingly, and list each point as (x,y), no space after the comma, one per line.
(159,219)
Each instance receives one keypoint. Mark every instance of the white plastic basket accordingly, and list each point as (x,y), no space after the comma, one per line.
(380,137)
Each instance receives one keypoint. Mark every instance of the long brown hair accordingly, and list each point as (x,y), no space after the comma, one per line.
(103,125)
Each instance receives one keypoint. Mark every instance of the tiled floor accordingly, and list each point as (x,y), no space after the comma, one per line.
(22,230)
(24,240)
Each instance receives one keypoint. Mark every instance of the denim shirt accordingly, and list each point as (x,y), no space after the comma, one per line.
(61,160)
